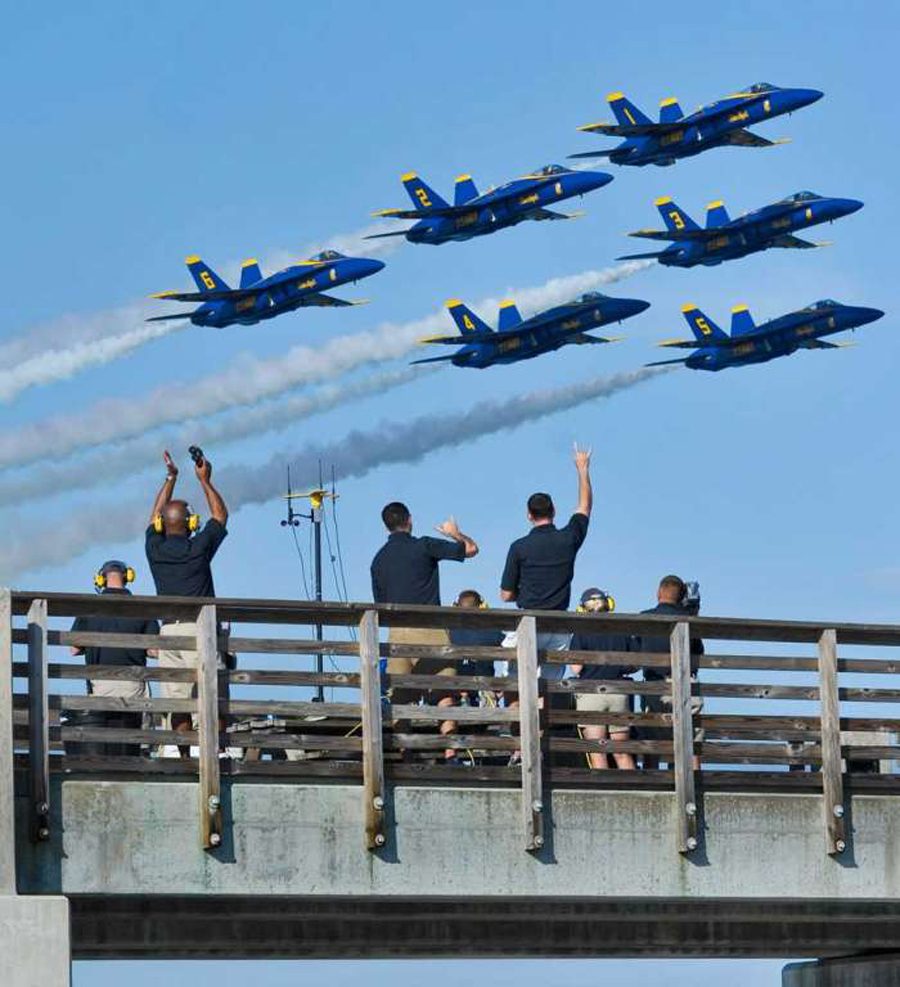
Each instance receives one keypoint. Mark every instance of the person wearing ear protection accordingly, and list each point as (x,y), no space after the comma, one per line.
(595,600)
(474,637)
(180,552)
(112,579)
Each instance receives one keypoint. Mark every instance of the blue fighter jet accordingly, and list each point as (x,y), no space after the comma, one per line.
(521,339)
(258,298)
(719,124)
(726,239)
(475,215)
(749,343)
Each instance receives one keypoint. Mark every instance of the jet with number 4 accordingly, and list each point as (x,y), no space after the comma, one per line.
(727,239)
(473,214)
(720,124)
(749,343)
(521,339)
(257,298)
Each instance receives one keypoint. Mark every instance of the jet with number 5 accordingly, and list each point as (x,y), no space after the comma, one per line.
(749,343)
(257,298)
(727,239)
(521,339)
(720,124)
(473,214)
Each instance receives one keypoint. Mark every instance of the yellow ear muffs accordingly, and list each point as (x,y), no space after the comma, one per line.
(193,522)
(129,575)
(99,581)
(158,524)
(610,604)
(580,609)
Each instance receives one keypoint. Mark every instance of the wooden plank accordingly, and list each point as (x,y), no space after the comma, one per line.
(209,788)
(530,734)
(372,746)
(7,800)
(38,724)
(832,782)
(683,738)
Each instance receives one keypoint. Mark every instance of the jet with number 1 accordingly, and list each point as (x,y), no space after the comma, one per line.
(473,214)
(257,298)
(518,339)
(749,343)
(726,239)
(720,124)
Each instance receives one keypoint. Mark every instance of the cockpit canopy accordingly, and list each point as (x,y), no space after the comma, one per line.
(760,87)
(592,296)
(824,303)
(805,196)
(326,255)
(551,169)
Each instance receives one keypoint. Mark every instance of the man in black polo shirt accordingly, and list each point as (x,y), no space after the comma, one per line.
(180,558)
(671,600)
(405,570)
(111,580)
(540,567)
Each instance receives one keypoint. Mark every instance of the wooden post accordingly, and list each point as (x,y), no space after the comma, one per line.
(530,734)
(683,737)
(7,801)
(208,729)
(832,780)
(372,738)
(38,722)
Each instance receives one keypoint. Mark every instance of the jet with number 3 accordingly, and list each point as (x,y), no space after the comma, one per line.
(727,239)
(473,214)
(521,339)
(749,343)
(257,298)
(720,124)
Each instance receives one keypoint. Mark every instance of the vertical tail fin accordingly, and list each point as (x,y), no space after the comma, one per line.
(669,110)
(424,198)
(204,276)
(675,218)
(509,316)
(703,327)
(250,273)
(466,320)
(741,321)
(716,215)
(625,112)
(464,191)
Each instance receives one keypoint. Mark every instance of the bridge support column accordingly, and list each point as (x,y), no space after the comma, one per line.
(853,971)
(34,941)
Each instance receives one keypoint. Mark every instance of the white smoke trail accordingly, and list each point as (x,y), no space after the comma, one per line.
(26,548)
(52,365)
(249,380)
(62,347)
(139,455)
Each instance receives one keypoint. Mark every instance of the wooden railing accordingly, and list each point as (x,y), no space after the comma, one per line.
(815,745)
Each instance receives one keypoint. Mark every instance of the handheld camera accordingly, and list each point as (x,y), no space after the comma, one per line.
(691,598)
(196,453)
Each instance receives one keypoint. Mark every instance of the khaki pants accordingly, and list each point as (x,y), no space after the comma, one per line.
(176,658)
(120,688)
(422,666)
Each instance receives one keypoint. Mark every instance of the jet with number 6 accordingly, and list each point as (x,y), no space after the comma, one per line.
(749,343)
(473,214)
(521,339)
(719,124)
(727,239)
(257,298)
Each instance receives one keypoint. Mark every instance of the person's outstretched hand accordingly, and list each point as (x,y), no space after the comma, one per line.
(449,528)
(582,458)
(171,468)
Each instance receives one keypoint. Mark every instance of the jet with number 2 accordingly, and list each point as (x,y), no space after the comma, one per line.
(727,239)
(521,339)
(748,343)
(257,298)
(473,214)
(720,124)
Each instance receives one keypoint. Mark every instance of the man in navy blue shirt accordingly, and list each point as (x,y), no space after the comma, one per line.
(540,567)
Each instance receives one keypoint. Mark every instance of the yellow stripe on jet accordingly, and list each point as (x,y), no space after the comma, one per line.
(452,303)
(663,200)
(507,303)
(740,308)
(614,97)
(193,259)
(668,101)
(716,205)
(690,307)
(408,177)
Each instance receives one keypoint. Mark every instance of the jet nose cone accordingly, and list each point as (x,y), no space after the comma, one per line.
(370,266)
(804,97)
(590,180)
(637,305)
(848,206)
(867,315)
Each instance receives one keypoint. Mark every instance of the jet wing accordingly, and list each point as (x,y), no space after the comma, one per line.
(583,339)
(470,337)
(631,130)
(432,359)
(795,242)
(823,344)
(232,294)
(416,213)
(665,363)
(695,344)
(675,234)
(540,214)
(329,301)
(746,138)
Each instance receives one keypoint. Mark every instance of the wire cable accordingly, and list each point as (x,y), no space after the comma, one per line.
(302,563)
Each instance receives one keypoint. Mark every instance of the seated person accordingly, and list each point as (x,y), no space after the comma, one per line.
(473,637)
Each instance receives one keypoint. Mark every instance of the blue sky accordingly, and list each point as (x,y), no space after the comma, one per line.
(143,133)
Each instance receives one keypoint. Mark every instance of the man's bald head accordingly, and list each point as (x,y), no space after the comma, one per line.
(175,517)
